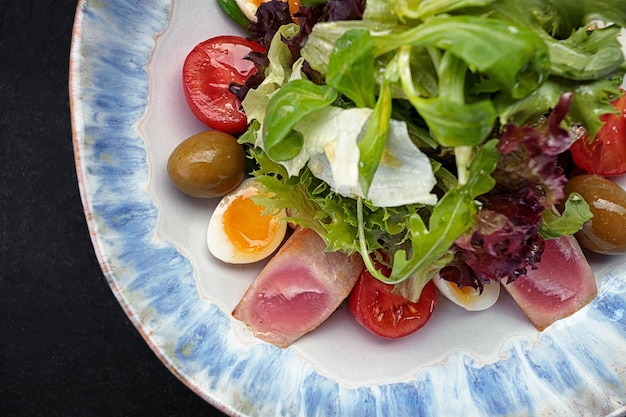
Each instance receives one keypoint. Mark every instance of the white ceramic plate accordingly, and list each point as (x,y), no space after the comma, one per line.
(128,113)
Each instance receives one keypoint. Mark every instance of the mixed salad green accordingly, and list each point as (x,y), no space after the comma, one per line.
(426,134)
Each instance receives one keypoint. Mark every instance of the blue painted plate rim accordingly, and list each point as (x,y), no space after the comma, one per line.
(183,331)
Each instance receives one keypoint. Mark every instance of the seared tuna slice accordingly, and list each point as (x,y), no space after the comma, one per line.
(562,284)
(299,288)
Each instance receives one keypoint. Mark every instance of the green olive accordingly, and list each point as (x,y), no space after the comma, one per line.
(208,164)
(606,232)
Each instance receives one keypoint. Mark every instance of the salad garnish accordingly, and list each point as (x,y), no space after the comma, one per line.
(466,75)
(432,138)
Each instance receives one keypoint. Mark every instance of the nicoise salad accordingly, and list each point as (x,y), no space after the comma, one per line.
(387,153)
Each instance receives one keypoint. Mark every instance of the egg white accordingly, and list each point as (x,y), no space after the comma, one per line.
(474,301)
(248,8)
(220,245)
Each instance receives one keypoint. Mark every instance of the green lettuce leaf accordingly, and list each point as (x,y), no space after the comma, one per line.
(513,57)
(372,146)
(278,72)
(351,68)
(422,9)
(586,54)
(575,213)
(450,218)
(293,102)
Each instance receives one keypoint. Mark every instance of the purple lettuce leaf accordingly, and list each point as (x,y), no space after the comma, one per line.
(459,272)
(530,156)
(270,17)
(505,241)
(275,13)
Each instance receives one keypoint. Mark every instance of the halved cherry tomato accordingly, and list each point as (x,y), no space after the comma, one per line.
(208,71)
(606,155)
(381,311)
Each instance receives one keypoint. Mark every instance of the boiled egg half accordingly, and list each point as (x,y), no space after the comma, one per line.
(239,231)
(249,7)
(468,297)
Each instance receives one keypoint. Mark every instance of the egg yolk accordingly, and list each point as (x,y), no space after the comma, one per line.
(468,293)
(246,226)
(294,5)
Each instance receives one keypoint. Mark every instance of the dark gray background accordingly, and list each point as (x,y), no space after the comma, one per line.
(66,346)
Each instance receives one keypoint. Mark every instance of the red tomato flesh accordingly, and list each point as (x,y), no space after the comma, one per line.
(606,155)
(208,71)
(381,311)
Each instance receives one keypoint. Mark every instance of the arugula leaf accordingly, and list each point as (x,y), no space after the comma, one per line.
(575,213)
(294,101)
(591,101)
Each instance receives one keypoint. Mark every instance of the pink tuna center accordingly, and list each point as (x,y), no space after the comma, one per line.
(293,301)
